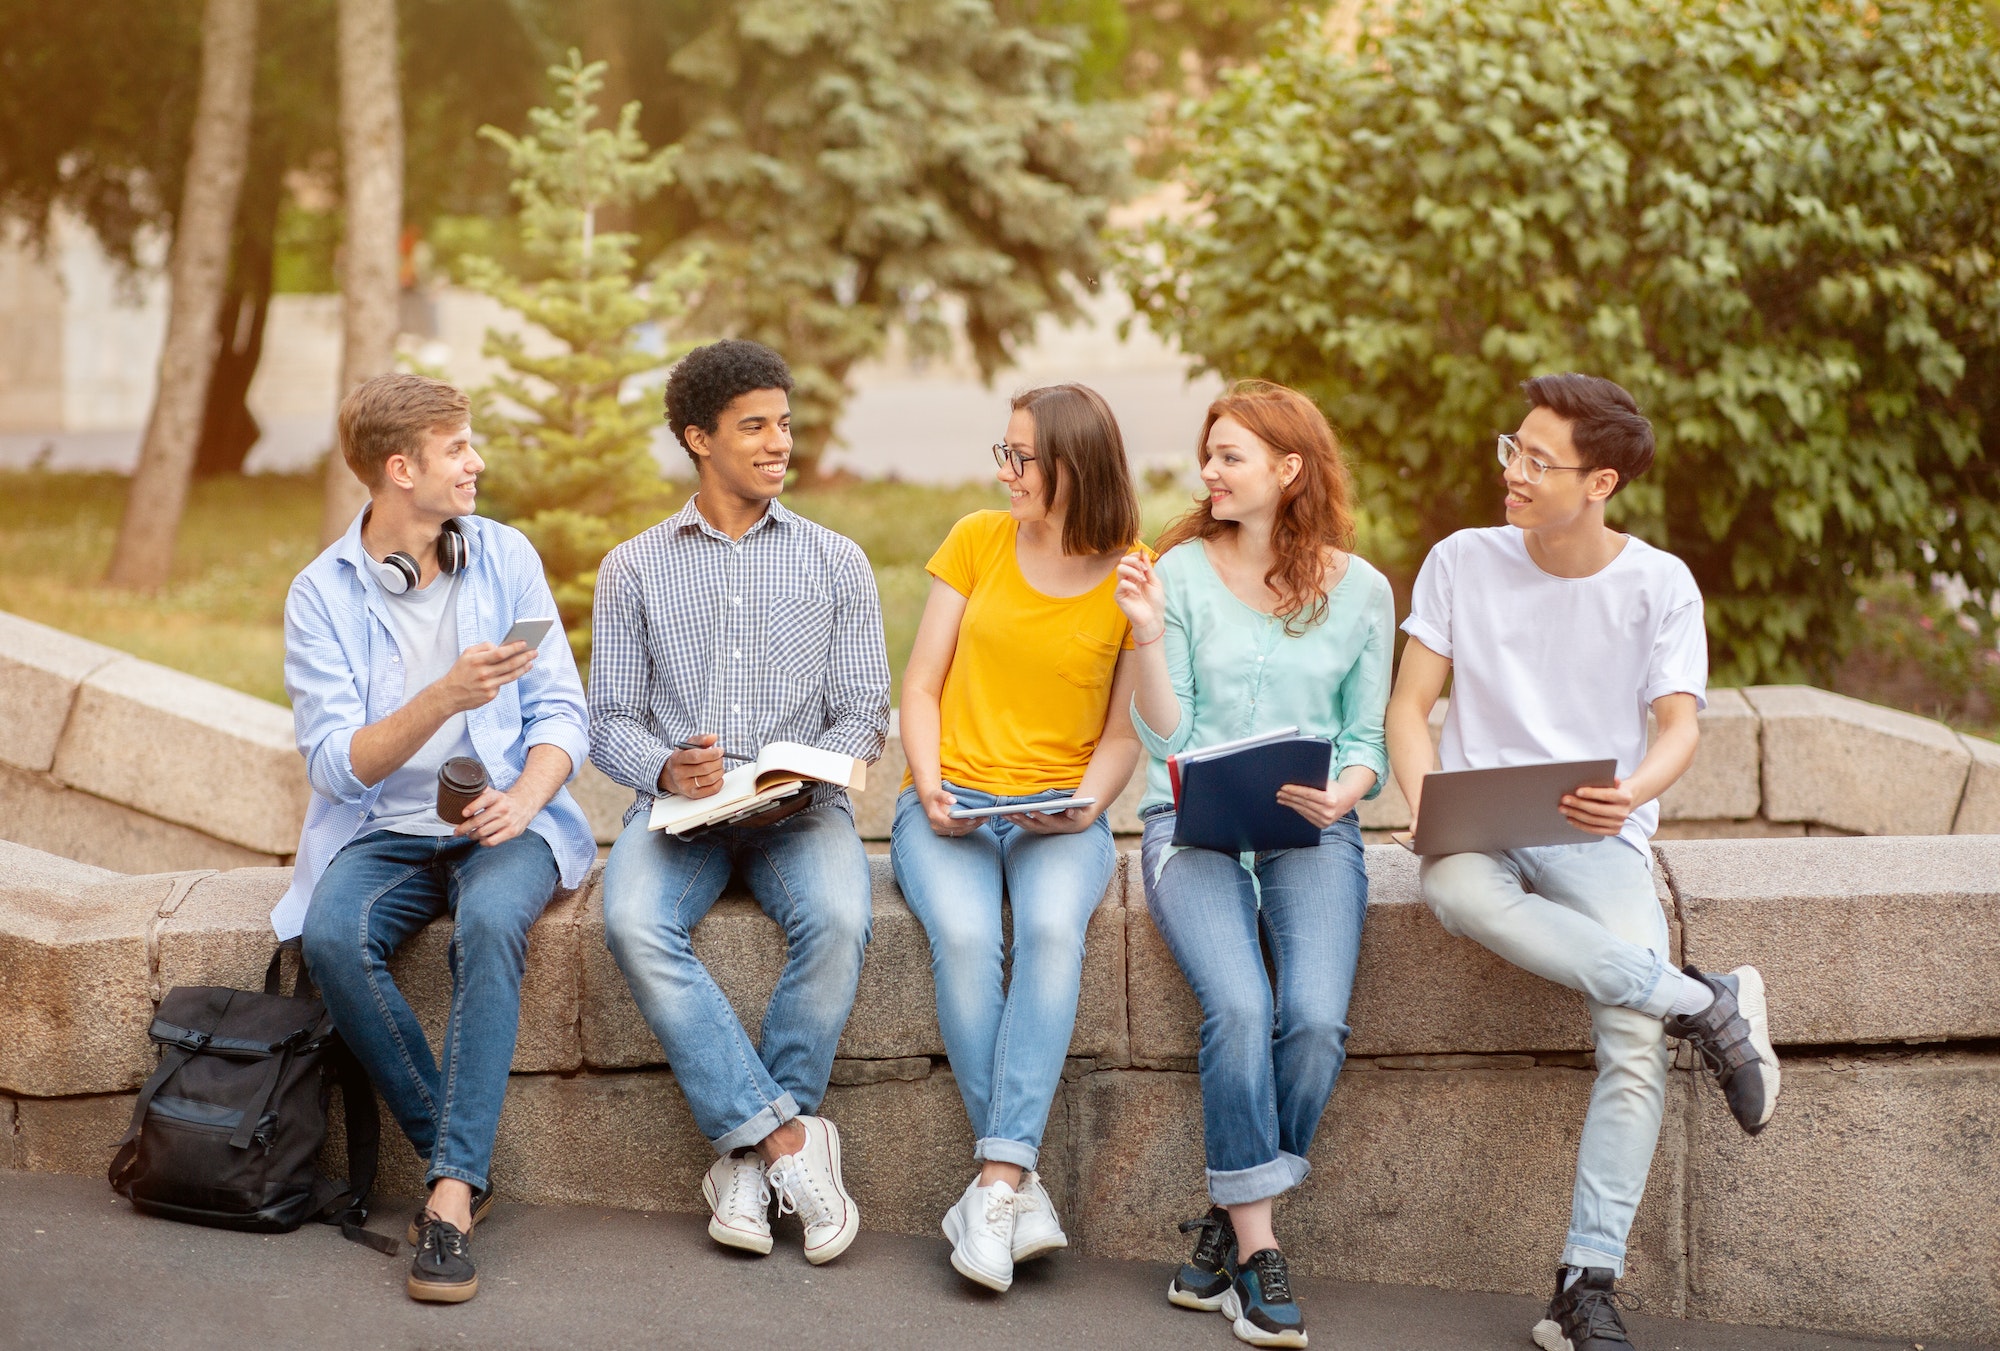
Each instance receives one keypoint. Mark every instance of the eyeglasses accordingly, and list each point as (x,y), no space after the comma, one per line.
(1532,469)
(1012,458)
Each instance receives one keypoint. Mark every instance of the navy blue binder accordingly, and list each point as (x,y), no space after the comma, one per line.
(1227,795)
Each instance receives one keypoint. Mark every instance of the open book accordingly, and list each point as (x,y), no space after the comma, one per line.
(1226,796)
(780,770)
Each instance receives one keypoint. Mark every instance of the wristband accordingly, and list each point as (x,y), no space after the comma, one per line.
(1136,643)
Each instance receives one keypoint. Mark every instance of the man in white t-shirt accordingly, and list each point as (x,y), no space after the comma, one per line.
(1559,635)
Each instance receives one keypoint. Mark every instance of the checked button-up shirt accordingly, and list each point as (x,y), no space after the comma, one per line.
(773,637)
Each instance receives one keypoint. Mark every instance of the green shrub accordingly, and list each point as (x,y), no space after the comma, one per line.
(1775,221)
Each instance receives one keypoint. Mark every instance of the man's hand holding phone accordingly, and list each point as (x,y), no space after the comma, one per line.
(694,770)
(480,671)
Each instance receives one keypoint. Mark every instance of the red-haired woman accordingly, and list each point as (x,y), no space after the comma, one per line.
(1256,618)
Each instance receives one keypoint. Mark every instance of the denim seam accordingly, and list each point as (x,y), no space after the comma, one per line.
(367,912)
(454,1030)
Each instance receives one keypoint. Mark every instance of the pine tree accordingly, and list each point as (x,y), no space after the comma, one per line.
(568,439)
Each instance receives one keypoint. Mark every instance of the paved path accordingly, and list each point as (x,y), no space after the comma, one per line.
(78,1269)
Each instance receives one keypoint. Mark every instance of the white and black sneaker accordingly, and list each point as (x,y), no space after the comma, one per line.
(1584,1314)
(981,1230)
(808,1183)
(1733,1035)
(739,1202)
(1259,1303)
(1037,1230)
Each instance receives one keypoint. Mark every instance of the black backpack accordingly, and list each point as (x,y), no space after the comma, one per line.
(227,1130)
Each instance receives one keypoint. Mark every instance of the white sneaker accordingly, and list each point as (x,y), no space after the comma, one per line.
(740,1203)
(808,1183)
(981,1230)
(1036,1228)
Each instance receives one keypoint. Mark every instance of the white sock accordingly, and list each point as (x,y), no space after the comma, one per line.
(1695,995)
(1571,1275)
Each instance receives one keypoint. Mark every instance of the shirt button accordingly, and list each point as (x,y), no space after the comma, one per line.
(1260,659)
(736,600)
(738,654)
(736,708)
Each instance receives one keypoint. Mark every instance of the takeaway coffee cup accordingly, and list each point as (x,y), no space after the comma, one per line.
(460,780)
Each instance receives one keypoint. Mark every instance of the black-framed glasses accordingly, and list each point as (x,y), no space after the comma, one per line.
(1532,469)
(1011,457)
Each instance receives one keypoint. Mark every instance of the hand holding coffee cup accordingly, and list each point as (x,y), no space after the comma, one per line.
(461,780)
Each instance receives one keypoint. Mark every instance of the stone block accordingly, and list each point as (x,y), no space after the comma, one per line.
(1720,828)
(71,1135)
(40,670)
(895,1006)
(1866,1206)
(75,979)
(1725,780)
(1855,766)
(220,933)
(1418,990)
(188,751)
(38,812)
(1457,1178)
(1979,808)
(603,801)
(1857,939)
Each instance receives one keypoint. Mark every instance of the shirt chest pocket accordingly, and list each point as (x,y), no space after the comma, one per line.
(1088,660)
(798,635)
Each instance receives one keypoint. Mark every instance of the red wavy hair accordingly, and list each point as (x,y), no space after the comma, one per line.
(1315,510)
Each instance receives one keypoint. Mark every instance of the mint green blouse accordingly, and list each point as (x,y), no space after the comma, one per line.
(1237,673)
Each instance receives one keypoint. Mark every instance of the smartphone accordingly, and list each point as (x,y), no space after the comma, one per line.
(529,631)
(1021,808)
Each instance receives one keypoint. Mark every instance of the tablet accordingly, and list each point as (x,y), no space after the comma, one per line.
(1061,804)
(1483,811)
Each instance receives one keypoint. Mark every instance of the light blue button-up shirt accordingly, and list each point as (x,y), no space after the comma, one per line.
(343,672)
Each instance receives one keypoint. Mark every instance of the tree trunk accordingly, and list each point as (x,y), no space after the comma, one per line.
(198,269)
(371,152)
(229,430)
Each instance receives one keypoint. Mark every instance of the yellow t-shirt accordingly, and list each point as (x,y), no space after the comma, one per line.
(1024,702)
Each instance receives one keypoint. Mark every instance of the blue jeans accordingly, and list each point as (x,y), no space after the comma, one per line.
(1006,1049)
(380,891)
(1585,916)
(1270,1050)
(810,874)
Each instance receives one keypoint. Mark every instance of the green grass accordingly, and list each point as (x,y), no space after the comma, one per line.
(221,616)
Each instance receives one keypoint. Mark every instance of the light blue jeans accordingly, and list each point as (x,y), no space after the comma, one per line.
(1270,1051)
(1006,1048)
(378,893)
(1585,916)
(810,874)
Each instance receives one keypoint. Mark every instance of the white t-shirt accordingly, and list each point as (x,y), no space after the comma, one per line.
(425,626)
(1548,668)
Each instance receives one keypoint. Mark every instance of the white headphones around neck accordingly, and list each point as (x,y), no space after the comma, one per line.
(399,572)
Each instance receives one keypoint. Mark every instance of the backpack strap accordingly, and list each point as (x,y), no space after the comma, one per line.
(346,1206)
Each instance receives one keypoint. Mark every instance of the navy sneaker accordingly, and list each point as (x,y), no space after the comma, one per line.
(1584,1316)
(1203,1281)
(1733,1035)
(1260,1305)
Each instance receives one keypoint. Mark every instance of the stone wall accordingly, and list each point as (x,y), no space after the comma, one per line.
(1444,1159)
(118,762)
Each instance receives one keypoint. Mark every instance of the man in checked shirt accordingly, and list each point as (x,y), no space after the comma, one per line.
(731,624)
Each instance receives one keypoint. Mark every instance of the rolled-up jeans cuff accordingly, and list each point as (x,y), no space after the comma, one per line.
(758,1126)
(1659,996)
(439,1172)
(1579,1253)
(996,1150)
(1244,1185)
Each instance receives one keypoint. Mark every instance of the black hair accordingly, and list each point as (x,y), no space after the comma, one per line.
(1604,421)
(709,379)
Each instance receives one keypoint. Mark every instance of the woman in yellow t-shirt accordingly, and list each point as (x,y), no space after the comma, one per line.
(1017,692)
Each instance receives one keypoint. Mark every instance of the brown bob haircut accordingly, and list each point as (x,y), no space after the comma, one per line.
(394,415)
(1078,442)
(1315,511)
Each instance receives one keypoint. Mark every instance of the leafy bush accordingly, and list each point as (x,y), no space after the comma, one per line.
(1775,221)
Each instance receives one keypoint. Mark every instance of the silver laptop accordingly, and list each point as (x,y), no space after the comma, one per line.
(1483,811)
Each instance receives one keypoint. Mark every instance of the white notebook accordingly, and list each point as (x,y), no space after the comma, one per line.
(781,769)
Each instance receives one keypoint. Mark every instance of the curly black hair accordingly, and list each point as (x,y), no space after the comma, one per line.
(709,379)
